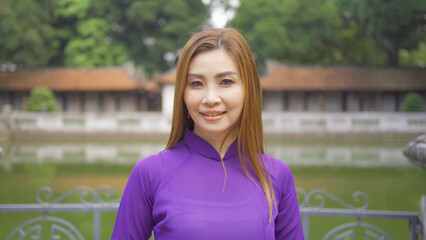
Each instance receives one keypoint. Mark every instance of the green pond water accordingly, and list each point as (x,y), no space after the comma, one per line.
(377,169)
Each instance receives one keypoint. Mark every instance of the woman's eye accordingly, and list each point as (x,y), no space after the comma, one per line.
(195,83)
(226,82)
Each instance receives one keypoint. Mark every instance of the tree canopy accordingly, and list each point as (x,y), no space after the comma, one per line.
(150,33)
(293,31)
(89,33)
(155,30)
(392,25)
(326,32)
(28,35)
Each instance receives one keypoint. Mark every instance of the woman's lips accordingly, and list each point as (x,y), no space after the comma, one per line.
(212,116)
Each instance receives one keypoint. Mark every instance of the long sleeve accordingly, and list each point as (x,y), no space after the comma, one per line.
(134,217)
(288,223)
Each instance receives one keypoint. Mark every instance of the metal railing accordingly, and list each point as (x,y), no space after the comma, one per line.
(309,209)
(311,205)
(93,201)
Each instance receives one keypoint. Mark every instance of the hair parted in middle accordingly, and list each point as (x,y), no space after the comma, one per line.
(250,136)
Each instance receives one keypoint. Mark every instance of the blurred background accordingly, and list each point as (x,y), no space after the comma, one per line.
(86,90)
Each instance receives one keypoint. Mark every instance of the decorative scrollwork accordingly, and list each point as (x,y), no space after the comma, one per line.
(85,194)
(319,196)
(301,194)
(33,229)
(105,191)
(348,230)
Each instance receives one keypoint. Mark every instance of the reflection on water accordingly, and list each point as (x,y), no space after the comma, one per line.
(305,155)
(361,156)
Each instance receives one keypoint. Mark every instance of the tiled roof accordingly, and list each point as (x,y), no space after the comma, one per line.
(281,78)
(300,78)
(64,79)
(168,77)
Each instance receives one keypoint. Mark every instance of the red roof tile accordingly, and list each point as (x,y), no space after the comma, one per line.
(298,78)
(167,77)
(281,78)
(95,79)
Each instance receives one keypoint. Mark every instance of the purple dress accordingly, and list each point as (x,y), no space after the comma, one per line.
(180,194)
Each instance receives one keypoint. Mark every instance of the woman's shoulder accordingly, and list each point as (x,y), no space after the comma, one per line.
(162,162)
(275,165)
(278,170)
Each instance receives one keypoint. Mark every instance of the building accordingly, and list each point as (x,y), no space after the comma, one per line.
(285,89)
(115,89)
(340,89)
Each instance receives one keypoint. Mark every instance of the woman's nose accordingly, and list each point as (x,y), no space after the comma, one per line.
(211,96)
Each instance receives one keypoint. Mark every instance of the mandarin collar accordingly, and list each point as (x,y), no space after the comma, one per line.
(204,148)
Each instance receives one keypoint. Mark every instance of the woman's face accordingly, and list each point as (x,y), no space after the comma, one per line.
(214,94)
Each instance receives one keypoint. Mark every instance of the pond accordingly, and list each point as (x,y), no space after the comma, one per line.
(378,169)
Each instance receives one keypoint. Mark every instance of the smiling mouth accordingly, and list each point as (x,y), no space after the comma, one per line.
(213,114)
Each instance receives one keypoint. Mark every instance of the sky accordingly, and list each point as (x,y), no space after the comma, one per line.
(220,16)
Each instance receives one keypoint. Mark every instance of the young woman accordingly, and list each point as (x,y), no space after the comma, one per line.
(213,181)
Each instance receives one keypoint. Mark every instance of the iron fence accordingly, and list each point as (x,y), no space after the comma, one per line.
(312,204)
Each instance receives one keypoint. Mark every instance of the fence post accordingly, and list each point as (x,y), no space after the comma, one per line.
(423,217)
(305,226)
(96,225)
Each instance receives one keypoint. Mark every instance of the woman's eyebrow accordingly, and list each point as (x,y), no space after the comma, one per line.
(195,75)
(223,74)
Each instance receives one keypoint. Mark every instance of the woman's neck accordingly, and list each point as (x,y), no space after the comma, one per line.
(220,143)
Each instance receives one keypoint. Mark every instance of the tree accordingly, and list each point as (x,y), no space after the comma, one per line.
(88,33)
(41,100)
(28,37)
(86,40)
(415,57)
(355,49)
(291,31)
(413,102)
(93,47)
(153,31)
(391,24)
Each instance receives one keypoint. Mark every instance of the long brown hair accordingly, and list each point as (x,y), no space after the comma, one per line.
(250,136)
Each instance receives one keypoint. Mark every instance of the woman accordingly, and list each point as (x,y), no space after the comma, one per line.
(213,181)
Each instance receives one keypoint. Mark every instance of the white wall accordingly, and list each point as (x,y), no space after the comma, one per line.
(167,94)
(149,122)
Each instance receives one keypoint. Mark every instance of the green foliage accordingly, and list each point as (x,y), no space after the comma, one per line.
(86,38)
(326,32)
(93,47)
(413,58)
(391,25)
(41,100)
(89,33)
(291,31)
(353,49)
(72,8)
(153,30)
(28,37)
(413,102)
